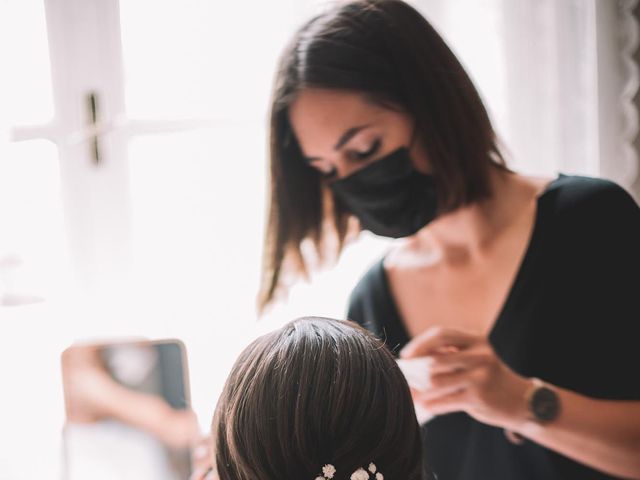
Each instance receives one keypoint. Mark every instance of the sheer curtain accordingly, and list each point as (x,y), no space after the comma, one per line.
(557,76)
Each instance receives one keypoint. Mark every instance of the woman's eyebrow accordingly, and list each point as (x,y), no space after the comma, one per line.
(348,135)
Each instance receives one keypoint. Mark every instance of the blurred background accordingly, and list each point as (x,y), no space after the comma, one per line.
(133,170)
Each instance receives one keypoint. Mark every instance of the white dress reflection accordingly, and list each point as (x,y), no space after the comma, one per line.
(109,449)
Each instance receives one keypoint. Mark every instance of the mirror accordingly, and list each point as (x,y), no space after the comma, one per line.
(128,411)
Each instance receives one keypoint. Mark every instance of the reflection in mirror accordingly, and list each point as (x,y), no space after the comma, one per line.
(128,413)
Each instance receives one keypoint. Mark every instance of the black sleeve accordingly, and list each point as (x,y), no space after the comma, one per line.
(601,225)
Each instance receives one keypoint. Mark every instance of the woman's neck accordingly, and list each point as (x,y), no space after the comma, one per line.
(470,231)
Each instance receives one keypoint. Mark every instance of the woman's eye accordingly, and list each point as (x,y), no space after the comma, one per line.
(372,150)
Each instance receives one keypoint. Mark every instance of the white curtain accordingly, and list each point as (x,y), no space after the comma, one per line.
(557,77)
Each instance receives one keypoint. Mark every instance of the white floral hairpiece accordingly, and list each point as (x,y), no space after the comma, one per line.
(328,471)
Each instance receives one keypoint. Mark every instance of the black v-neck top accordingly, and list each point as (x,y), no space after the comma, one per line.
(571,318)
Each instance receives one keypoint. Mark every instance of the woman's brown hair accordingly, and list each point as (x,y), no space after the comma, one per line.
(318,391)
(388,51)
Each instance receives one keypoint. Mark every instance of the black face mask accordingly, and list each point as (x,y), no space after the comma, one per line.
(389,197)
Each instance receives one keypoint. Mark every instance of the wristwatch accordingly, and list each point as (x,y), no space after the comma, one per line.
(543,406)
(543,402)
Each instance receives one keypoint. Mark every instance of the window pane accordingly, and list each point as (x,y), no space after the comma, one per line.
(25,83)
(198,219)
(198,57)
(197,226)
(33,257)
(34,274)
(34,268)
(30,204)
(197,212)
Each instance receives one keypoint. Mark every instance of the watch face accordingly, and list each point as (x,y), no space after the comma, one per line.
(545,404)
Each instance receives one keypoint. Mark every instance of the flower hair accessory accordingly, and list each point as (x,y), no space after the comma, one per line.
(328,471)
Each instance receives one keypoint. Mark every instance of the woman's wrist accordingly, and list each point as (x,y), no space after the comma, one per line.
(539,406)
(520,414)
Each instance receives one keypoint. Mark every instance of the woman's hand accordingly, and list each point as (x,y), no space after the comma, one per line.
(203,460)
(466,375)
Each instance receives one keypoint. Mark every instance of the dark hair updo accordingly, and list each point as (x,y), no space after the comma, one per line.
(316,392)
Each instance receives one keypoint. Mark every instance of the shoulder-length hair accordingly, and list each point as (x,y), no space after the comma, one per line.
(389,52)
(317,391)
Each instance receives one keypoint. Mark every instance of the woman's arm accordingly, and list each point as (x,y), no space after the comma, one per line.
(91,394)
(466,375)
(173,427)
(604,434)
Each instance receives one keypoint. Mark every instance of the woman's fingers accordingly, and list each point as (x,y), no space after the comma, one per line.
(438,340)
(452,392)
(464,374)
(463,360)
(453,402)
(444,384)
(202,457)
(203,474)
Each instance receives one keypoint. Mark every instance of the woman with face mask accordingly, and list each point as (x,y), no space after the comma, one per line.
(519,293)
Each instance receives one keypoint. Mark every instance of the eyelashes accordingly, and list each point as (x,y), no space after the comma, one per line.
(354,156)
(371,151)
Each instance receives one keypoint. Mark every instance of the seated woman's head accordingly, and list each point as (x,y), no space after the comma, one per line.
(317,392)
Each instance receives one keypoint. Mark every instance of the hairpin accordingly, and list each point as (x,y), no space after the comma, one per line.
(328,471)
